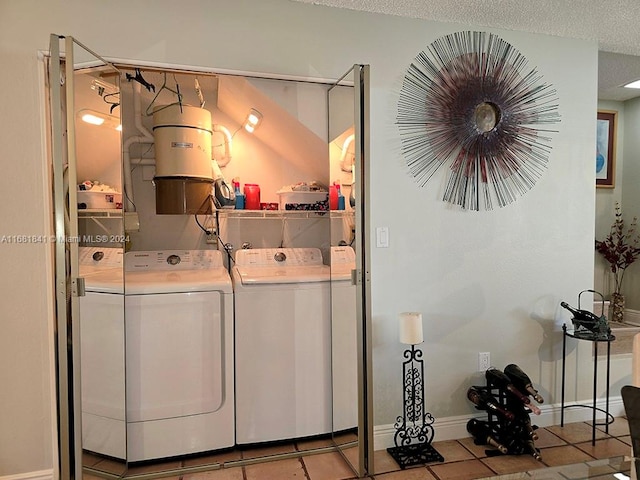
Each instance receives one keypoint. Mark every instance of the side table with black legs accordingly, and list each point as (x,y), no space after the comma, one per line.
(595,339)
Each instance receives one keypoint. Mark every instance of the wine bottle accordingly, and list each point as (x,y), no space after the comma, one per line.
(581,315)
(522,428)
(522,381)
(530,431)
(486,401)
(499,379)
(530,448)
(483,435)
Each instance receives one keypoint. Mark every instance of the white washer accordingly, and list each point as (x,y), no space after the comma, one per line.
(283,344)
(344,346)
(176,330)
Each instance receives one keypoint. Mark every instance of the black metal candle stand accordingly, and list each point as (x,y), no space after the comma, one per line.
(414,428)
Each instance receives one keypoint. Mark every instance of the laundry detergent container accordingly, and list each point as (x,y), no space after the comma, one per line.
(182,137)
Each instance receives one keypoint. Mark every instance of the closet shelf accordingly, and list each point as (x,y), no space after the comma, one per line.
(100,213)
(274,214)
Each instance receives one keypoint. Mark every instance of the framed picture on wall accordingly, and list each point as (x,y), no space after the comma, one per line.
(606,149)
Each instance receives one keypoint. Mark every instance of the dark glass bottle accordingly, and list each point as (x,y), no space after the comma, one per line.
(581,315)
(486,401)
(522,381)
(530,448)
(499,379)
(484,435)
(528,428)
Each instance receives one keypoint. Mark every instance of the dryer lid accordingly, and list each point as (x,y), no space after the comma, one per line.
(343,261)
(97,259)
(164,272)
(178,281)
(109,280)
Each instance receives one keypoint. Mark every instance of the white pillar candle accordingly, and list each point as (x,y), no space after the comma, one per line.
(411,328)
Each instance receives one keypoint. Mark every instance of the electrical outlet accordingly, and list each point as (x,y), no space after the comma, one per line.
(212,237)
(484,361)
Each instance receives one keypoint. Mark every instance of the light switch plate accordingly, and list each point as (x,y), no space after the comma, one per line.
(382,237)
(484,361)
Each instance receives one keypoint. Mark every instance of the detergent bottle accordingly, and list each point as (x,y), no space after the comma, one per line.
(352,194)
(340,197)
(239,195)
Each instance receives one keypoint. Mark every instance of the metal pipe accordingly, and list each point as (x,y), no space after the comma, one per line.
(146,137)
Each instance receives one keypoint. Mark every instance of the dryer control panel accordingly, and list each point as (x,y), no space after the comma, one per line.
(279,257)
(107,257)
(173,260)
(343,256)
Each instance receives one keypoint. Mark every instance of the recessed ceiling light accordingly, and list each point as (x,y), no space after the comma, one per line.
(635,84)
(97,118)
(93,119)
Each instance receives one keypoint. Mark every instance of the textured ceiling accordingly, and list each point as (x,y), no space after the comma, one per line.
(614,25)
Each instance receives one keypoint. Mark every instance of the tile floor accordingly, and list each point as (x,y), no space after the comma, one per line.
(464,460)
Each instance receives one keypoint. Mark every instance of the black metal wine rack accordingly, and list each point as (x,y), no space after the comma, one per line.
(517,435)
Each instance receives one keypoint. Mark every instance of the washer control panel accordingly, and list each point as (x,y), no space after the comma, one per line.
(173,260)
(278,257)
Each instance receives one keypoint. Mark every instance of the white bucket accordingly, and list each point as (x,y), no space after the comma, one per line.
(182,137)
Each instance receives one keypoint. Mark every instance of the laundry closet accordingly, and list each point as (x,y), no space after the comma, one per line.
(217,243)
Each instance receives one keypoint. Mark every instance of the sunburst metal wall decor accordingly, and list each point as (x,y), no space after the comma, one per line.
(469,101)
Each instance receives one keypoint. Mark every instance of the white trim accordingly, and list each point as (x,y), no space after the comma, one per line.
(40,475)
(47,182)
(180,68)
(632,316)
(217,71)
(453,428)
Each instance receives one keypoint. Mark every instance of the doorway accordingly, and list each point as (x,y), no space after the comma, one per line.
(119,160)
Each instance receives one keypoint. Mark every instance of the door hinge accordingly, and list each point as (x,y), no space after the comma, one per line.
(77,287)
(356,277)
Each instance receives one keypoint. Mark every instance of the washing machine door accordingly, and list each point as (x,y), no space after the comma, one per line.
(174,358)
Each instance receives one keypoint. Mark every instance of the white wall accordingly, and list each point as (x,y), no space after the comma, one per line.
(630,191)
(606,199)
(626,193)
(487,281)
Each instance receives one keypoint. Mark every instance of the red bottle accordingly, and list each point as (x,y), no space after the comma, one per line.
(251,196)
(333,197)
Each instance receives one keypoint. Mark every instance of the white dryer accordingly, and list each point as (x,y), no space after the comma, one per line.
(172,349)
(283,344)
(179,353)
(102,353)
(99,259)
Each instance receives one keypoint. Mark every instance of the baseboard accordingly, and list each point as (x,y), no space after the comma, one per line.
(40,475)
(453,428)
(632,316)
